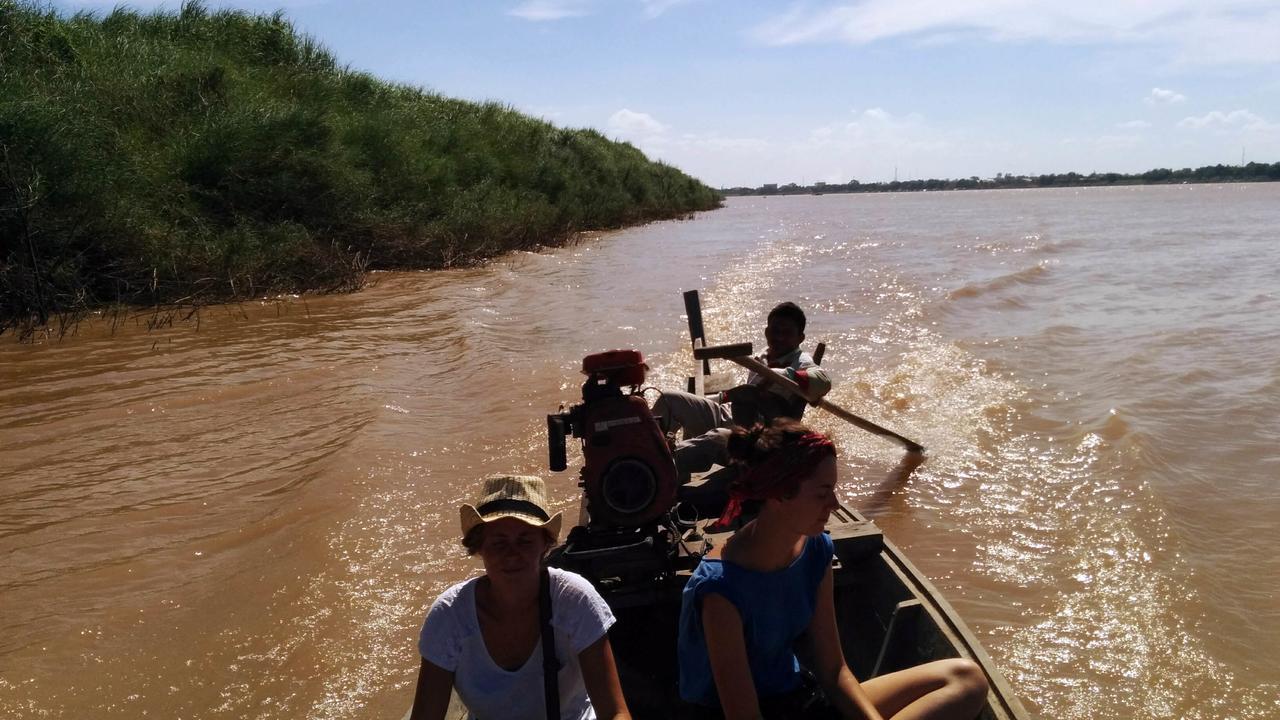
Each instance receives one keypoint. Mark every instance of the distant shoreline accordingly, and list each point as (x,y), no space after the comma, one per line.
(1253,172)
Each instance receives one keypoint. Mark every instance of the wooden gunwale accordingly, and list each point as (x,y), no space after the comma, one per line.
(1002,702)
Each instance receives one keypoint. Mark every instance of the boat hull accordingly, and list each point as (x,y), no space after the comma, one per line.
(890,617)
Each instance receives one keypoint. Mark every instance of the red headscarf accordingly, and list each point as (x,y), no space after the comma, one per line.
(778,474)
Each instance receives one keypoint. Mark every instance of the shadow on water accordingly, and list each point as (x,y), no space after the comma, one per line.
(890,496)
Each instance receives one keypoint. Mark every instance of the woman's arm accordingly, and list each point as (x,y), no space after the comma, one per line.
(727,650)
(600,675)
(821,653)
(431,699)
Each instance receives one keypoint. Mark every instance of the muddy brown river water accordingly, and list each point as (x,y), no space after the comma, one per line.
(246,516)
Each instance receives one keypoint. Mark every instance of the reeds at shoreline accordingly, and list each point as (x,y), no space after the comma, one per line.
(196,156)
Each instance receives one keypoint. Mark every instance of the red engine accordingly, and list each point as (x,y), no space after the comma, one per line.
(628,474)
(616,367)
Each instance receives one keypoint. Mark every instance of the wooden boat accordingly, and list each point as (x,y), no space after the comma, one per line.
(890,616)
(645,537)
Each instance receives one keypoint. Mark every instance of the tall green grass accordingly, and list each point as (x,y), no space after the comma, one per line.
(194,155)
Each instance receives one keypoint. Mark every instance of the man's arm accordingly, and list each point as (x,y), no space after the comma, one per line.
(803,371)
(811,377)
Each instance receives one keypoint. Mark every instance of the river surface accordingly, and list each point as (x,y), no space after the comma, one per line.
(245,514)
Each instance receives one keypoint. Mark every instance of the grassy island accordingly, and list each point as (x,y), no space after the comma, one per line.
(194,156)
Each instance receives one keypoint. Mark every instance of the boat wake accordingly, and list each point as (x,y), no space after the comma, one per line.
(1026,276)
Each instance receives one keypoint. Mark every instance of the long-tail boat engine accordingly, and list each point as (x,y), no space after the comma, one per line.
(628,474)
(628,479)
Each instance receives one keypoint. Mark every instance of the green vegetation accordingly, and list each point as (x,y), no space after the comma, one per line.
(193,156)
(1253,172)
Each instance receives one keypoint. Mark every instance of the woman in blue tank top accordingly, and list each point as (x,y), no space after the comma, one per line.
(769,594)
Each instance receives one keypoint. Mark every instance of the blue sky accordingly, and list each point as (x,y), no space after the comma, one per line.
(739,92)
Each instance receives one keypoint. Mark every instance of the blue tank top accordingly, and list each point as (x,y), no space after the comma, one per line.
(776,608)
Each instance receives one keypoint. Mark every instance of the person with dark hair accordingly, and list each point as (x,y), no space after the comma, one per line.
(705,421)
(753,617)
(493,638)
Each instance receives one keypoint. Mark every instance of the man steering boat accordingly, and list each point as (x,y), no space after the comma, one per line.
(706,421)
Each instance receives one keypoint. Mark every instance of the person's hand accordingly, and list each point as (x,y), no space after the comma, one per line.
(670,437)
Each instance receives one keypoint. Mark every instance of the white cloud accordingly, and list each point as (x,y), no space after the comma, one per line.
(871,145)
(1160,96)
(879,127)
(544,10)
(877,144)
(1217,38)
(1193,30)
(633,125)
(1236,120)
(874,145)
(654,8)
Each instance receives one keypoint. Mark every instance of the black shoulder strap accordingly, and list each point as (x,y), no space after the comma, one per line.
(550,668)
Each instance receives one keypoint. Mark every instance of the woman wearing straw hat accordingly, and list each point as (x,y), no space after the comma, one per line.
(502,640)
(746,614)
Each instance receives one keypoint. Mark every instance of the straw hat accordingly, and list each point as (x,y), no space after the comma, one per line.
(522,497)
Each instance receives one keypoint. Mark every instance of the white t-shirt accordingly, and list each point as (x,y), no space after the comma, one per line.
(451,639)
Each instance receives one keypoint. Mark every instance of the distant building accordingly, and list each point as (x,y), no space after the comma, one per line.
(769,187)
